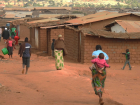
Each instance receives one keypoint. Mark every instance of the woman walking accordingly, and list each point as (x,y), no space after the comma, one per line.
(59,52)
(10,46)
(98,83)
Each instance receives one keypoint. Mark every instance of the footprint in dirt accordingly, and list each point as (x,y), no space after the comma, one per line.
(111,102)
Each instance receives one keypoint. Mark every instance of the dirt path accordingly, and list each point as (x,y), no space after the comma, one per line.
(72,86)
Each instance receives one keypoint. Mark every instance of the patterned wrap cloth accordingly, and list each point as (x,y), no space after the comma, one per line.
(59,60)
(98,84)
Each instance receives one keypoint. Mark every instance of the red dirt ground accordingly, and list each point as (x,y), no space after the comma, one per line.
(44,85)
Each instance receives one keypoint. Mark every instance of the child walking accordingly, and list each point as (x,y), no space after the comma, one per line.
(101,64)
(127,55)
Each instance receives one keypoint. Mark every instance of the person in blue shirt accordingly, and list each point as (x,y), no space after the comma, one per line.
(25,53)
(98,82)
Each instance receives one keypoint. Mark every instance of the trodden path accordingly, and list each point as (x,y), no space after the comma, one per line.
(44,85)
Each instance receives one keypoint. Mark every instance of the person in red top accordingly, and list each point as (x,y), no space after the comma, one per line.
(10,42)
(16,38)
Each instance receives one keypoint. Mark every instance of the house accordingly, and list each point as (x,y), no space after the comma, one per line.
(81,43)
(101,19)
(43,31)
(122,26)
(22,26)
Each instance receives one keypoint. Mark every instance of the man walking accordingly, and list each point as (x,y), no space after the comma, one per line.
(127,55)
(25,53)
(5,35)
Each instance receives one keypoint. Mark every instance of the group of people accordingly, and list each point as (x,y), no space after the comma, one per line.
(10,38)
(100,60)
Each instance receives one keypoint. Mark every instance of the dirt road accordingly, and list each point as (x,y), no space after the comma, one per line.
(44,85)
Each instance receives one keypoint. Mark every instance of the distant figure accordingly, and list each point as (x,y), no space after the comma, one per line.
(16,38)
(60,51)
(5,35)
(127,55)
(13,33)
(25,53)
(10,46)
(0,33)
(53,47)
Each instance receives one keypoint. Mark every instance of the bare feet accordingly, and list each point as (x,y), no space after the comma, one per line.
(23,71)
(101,101)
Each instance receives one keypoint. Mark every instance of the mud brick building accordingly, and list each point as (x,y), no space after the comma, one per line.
(22,26)
(43,31)
(114,44)
(90,33)
(46,36)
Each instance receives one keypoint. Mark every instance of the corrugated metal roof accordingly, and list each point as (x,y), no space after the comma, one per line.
(59,8)
(43,20)
(129,26)
(54,26)
(55,15)
(18,9)
(107,34)
(96,17)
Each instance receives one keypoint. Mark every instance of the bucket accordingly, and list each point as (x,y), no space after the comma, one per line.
(8,24)
(5,51)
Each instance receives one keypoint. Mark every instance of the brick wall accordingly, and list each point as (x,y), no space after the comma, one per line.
(71,42)
(32,37)
(113,47)
(54,35)
(43,39)
(24,32)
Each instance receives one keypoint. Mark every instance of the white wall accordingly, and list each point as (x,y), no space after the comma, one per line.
(117,29)
(18,28)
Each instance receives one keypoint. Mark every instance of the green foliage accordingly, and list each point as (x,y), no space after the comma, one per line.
(37,5)
(9,6)
(29,3)
(6,0)
(52,3)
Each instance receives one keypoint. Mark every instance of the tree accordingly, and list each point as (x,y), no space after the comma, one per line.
(108,5)
(6,0)
(52,3)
